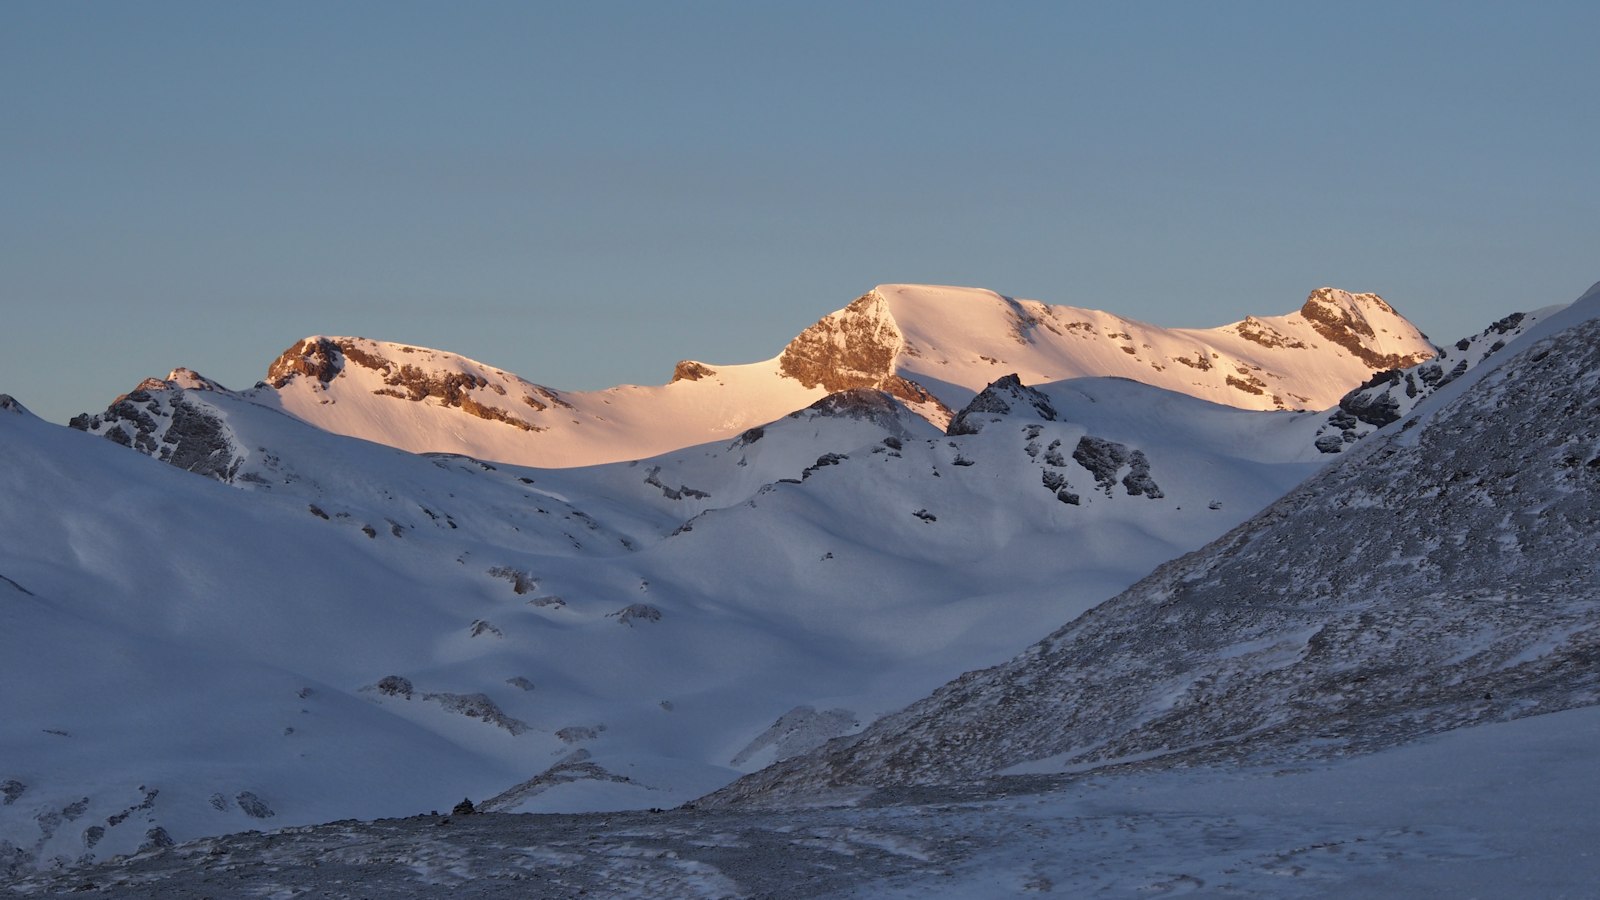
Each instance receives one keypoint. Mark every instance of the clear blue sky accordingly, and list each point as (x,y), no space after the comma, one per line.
(583,193)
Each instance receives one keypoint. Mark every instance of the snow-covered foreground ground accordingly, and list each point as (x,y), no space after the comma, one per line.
(1504,810)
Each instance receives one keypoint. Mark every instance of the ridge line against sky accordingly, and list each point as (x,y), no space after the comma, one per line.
(585,194)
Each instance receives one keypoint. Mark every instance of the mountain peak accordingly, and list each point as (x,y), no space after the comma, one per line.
(10,404)
(856,347)
(315,357)
(1358,323)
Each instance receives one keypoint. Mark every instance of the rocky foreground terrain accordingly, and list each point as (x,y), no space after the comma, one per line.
(1456,816)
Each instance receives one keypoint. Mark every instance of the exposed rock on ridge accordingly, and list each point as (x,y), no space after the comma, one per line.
(997,400)
(855,347)
(1341,317)
(324,359)
(164,422)
(1390,394)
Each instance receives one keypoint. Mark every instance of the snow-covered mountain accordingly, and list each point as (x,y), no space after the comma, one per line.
(1443,575)
(933,348)
(325,627)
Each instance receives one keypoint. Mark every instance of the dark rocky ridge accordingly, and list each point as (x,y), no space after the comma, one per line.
(864,404)
(1442,578)
(1390,394)
(170,426)
(997,400)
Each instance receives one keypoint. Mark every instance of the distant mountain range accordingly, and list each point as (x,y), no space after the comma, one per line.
(932,348)
(370,603)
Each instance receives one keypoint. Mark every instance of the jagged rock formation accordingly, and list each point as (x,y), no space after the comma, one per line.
(1390,394)
(160,419)
(999,399)
(689,370)
(1346,319)
(1441,578)
(855,347)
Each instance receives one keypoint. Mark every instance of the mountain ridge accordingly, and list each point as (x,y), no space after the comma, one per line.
(933,348)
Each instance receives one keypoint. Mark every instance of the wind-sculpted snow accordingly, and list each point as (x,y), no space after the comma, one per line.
(1444,576)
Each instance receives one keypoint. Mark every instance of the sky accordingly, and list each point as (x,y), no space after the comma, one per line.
(585,193)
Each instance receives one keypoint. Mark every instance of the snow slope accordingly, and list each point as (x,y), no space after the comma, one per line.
(326,627)
(1502,810)
(934,348)
(1443,575)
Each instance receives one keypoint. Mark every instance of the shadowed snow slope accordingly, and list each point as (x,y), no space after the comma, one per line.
(319,627)
(1444,575)
(931,347)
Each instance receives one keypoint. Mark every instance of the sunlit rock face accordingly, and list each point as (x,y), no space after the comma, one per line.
(1353,321)
(856,347)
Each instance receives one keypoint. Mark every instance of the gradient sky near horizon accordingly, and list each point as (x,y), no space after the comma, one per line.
(585,193)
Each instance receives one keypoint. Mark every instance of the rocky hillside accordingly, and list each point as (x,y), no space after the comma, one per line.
(1392,393)
(1442,576)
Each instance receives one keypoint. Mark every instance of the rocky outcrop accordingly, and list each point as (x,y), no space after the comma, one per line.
(318,358)
(575,766)
(1105,460)
(1256,331)
(862,404)
(689,370)
(855,347)
(323,359)
(477,706)
(171,426)
(636,612)
(1390,394)
(999,399)
(1342,318)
